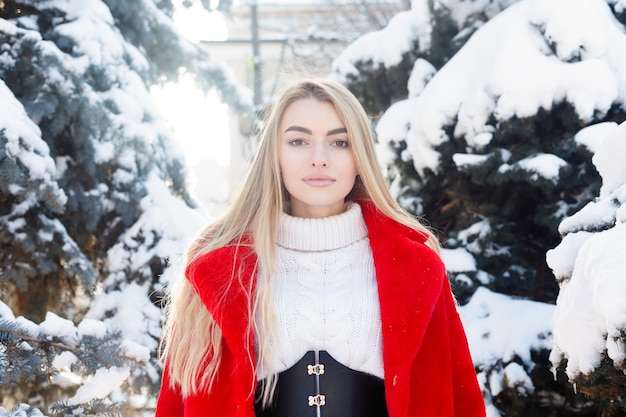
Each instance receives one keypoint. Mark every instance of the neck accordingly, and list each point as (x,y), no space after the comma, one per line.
(319,234)
(316,212)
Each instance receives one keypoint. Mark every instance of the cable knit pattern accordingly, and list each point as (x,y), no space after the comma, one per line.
(325,293)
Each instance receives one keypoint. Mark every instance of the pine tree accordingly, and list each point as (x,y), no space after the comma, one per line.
(477,181)
(436,36)
(93,200)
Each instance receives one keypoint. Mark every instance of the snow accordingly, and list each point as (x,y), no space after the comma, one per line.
(501,329)
(21,410)
(14,225)
(387,46)
(31,328)
(105,380)
(500,326)
(159,204)
(100,385)
(543,165)
(64,360)
(402,31)
(104,152)
(59,327)
(136,317)
(515,375)
(90,327)
(134,314)
(24,137)
(5,312)
(421,73)
(458,260)
(478,229)
(135,350)
(161,211)
(593,216)
(91,23)
(466,159)
(592,136)
(590,315)
(45,236)
(394,125)
(562,258)
(612,171)
(461,10)
(590,311)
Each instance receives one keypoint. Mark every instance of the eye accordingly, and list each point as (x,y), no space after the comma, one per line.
(296,142)
(340,143)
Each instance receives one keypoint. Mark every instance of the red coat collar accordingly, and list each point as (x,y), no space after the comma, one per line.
(410,279)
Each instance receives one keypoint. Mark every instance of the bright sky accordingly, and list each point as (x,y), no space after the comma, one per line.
(200,121)
(198,24)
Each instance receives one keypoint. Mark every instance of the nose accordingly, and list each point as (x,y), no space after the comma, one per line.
(319,157)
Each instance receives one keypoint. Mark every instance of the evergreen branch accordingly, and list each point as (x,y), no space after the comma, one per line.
(22,410)
(94,408)
(62,346)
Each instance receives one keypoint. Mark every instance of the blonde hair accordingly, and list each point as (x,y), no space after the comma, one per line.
(192,340)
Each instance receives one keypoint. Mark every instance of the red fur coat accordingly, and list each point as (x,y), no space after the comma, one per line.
(428,369)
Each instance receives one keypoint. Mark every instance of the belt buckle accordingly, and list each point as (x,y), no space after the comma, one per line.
(317,400)
(317,369)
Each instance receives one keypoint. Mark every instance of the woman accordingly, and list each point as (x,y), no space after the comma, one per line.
(316,294)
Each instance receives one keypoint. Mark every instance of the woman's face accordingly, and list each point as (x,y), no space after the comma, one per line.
(315,158)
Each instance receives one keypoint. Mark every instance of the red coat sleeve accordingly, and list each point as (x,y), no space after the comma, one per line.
(443,379)
(468,399)
(445,368)
(232,394)
(170,401)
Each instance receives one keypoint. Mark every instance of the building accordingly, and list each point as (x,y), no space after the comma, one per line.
(298,36)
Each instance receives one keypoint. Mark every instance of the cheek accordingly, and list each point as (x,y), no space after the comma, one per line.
(285,164)
(292,161)
(351,167)
(289,183)
(286,167)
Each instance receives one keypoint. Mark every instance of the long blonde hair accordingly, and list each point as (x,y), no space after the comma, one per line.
(192,340)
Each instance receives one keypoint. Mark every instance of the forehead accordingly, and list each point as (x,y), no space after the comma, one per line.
(310,111)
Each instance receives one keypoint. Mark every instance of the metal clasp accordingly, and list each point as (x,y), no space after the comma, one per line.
(317,369)
(318,400)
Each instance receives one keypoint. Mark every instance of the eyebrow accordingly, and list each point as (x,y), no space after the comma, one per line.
(308,131)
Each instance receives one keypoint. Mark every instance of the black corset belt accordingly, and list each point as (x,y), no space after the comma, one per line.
(319,386)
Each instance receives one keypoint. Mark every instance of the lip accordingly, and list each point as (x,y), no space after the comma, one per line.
(318,180)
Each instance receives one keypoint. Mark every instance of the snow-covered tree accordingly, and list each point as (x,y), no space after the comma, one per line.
(93,202)
(385,66)
(481,104)
(590,316)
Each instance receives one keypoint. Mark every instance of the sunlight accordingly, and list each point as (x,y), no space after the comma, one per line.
(200,121)
(198,24)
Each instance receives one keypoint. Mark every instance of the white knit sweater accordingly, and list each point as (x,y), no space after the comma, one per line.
(324,294)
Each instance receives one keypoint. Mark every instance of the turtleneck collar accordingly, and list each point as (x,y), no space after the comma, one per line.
(321,234)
